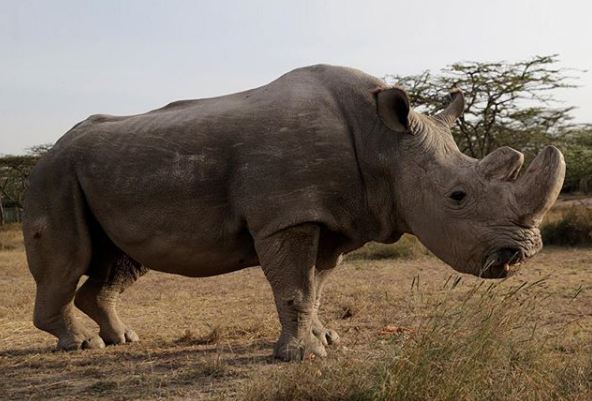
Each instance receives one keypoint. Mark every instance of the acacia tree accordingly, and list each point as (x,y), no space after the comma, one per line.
(14,175)
(14,171)
(506,103)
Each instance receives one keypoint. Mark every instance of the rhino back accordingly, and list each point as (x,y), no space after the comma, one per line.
(196,179)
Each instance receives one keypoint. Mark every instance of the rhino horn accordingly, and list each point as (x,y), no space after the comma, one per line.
(454,110)
(503,164)
(538,188)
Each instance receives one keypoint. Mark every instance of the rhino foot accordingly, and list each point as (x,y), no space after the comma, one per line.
(325,335)
(80,342)
(123,337)
(296,350)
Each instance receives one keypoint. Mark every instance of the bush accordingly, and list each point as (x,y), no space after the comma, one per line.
(572,228)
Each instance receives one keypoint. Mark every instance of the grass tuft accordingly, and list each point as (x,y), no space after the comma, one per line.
(207,369)
(482,348)
(189,338)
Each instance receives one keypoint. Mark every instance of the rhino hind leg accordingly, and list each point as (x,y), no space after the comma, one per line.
(58,254)
(324,334)
(99,296)
(54,313)
(329,256)
(288,261)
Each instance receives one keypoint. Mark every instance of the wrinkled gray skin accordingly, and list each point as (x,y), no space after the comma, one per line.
(288,176)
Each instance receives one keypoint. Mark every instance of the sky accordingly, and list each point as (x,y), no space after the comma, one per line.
(63,60)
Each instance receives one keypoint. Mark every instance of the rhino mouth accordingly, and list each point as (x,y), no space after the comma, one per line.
(499,263)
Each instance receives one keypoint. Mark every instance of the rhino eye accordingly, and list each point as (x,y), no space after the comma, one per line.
(458,196)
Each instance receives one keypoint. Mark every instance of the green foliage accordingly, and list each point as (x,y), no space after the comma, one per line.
(14,174)
(576,145)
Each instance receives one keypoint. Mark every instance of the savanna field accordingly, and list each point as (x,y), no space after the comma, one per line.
(410,327)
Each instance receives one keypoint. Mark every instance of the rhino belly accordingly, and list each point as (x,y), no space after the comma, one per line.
(189,245)
(174,225)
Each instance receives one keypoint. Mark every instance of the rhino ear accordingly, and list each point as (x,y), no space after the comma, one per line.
(393,108)
(454,110)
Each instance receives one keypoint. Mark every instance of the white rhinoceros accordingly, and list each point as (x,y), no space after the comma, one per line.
(288,176)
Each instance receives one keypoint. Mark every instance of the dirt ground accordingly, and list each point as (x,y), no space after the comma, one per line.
(212,338)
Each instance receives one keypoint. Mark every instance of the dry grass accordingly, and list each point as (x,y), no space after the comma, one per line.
(411,329)
(408,247)
(485,345)
(11,237)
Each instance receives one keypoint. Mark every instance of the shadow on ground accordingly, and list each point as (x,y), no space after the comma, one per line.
(129,372)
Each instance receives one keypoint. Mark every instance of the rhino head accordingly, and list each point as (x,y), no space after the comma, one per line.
(479,216)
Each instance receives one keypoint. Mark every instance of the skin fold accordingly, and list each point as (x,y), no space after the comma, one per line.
(288,176)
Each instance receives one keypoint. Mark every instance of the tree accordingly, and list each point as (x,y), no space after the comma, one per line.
(39,150)
(14,171)
(14,174)
(506,103)
(576,144)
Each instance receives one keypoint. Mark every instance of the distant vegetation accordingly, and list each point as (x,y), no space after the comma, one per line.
(14,175)
(571,228)
(576,144)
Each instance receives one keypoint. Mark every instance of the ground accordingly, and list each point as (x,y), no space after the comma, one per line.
(212,338)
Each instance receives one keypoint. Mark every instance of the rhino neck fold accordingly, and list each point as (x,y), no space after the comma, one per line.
(375,150)
(375,158)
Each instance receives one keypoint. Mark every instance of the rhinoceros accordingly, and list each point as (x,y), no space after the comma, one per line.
(289,176)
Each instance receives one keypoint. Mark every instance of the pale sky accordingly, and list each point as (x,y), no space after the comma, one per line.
(62,60)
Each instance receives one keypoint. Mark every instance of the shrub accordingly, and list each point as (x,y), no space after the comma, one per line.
(572,228)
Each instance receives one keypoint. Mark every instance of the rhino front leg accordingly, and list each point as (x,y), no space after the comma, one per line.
(288,261)
(324,334)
